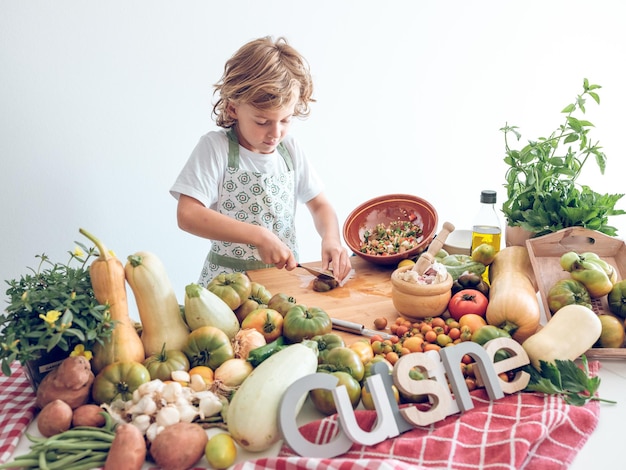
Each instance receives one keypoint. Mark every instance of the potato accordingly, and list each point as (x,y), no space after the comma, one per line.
(128,449)
(54,418)
(70,382)
(179,446)
(88,415)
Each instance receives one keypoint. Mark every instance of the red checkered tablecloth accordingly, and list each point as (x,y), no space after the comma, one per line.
(17,410)
(520,431)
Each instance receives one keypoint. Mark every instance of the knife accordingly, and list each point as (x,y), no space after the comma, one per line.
(324,275)
(357,329)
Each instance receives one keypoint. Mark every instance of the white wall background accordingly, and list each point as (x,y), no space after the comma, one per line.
(102,102)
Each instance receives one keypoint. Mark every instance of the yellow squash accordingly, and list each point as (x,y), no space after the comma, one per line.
(109,286)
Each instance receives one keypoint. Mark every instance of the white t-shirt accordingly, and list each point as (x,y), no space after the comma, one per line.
(202,176)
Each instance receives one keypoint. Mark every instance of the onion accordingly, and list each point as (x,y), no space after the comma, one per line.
(246,340)
(232,372)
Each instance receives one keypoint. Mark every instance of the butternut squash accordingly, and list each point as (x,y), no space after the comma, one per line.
(570,332)
(109,287)
(161,319)
(513,258)
(513,305)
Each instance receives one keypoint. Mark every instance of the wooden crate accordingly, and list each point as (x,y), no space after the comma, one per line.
(545,254)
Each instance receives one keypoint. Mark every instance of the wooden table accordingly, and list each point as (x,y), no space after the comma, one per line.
(363,298)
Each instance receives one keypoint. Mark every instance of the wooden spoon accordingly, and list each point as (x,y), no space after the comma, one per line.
(427,258)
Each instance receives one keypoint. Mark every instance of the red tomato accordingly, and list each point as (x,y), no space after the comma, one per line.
(467,301)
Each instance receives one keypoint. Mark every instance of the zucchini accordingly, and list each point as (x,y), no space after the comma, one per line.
(570,332)
(204,308)
(252,416)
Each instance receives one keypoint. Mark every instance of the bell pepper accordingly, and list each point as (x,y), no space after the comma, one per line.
(258,355)
(488,332)
(594,273)
(459,264)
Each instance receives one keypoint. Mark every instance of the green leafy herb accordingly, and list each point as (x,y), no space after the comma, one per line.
(542,193)
(567,379)
(53,306)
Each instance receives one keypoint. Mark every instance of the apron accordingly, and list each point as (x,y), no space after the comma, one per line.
(254,198)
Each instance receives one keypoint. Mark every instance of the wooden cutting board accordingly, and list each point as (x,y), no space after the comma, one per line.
(363,298)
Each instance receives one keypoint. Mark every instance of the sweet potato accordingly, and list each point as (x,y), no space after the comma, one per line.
(179,446)
(128,449)
(88,415)
(70,382)
(54,418)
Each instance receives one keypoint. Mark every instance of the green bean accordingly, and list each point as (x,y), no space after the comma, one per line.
(94,445)
(88,463)
(64,461)
(30,462)
(83,433)
(43,464)
(69,447)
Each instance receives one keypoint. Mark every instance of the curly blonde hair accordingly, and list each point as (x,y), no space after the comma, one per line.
(265,74)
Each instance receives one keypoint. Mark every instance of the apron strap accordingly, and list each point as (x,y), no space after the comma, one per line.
(236,263)
(233,151)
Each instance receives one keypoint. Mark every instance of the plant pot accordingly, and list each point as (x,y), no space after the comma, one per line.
(516,236)
(37,369)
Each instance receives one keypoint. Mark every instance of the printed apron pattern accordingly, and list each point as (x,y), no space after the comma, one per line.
(255,198)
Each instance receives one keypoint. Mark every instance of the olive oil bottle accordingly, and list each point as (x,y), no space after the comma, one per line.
(486,227)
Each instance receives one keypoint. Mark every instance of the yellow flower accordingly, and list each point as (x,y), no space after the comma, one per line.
(50,317)
(79,350)
(78,252)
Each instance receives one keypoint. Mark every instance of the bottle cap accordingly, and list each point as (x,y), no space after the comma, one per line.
(488,196)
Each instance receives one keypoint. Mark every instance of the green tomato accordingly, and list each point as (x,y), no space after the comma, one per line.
(343,359)
(617,299)
(325,343)
(232,288)
(162,365)
(281,303)
(259,298)
(259,293)
(324,401)
(305,323)
(569,260)
(566,292)
(118,381)
(208,346)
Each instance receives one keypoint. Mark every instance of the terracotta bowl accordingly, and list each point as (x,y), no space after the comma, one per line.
(417,301)
(384,210)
